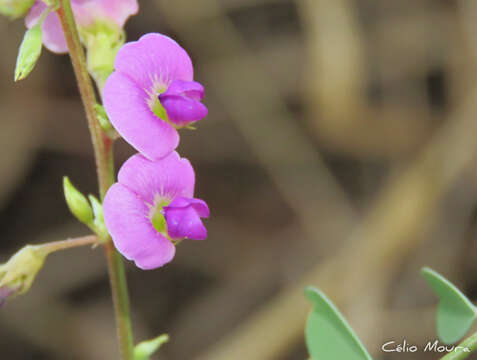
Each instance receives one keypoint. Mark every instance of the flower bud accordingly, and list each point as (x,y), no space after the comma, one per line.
(77,202)
(15,8)
(144,350)
(30,50)
(17,275)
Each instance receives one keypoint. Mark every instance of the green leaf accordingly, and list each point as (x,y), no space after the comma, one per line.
(455,313)
(144,350)
(328,335)
(30,50)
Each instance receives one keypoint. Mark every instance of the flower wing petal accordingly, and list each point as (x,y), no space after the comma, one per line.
(184,222)
(181,110)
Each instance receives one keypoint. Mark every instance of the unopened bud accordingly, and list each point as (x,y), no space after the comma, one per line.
(144,350)
(30,50)
(77,202)
(17,275)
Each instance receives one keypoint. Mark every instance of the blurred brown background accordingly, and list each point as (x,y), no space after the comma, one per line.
(339,151)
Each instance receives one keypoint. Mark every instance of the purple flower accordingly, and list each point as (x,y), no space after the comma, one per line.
(89,14)
(152,93)
(152,206)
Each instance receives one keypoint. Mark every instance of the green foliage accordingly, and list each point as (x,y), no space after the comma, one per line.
(29,52)
(144,350)
(455,314)
(328,335)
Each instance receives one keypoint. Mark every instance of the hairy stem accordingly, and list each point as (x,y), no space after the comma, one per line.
(104,164)
(53,246)
(464,349)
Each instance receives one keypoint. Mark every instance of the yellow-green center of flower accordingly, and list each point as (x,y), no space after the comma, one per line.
(156,215)
(159,110)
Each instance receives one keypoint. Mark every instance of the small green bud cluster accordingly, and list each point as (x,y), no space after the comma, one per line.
(89,212)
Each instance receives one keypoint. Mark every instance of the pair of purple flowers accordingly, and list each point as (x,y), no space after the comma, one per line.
(150,95)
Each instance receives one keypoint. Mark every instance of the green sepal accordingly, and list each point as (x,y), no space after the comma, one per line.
(328,335)
(103,41)
(144,350)
(103,118)
(455,312)
(29,52)
(77,203)
(98,223)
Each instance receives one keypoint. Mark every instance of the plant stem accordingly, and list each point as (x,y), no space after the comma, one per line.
(104,164)
(101,143)
(53,246)
(464,349)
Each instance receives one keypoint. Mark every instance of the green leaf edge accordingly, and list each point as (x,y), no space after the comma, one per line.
(428,273)
(318,298)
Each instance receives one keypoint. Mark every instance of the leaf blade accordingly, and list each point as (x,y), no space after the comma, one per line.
(328,335)
(455,312)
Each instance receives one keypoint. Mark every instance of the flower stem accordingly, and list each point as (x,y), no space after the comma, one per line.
(464,349)
(104,165)
(53,246)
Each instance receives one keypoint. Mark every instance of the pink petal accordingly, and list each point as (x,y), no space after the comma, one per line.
(116,11)
(169,177)
(126,218)
(126,105)
(53,37)
(34,14)
(154,60)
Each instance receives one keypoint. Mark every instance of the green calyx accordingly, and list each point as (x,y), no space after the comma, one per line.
(102,40)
